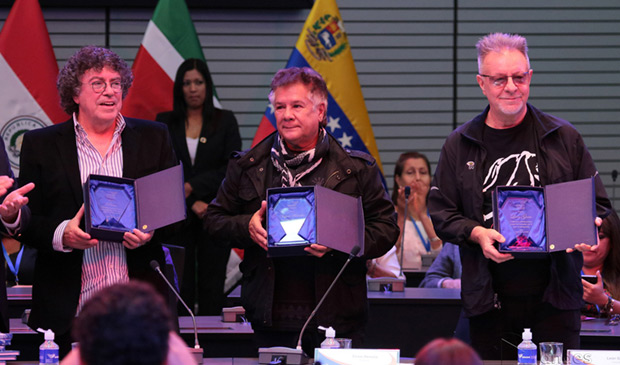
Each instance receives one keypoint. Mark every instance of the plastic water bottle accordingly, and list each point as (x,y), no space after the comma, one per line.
(48,351)
(330,339)
(527,351)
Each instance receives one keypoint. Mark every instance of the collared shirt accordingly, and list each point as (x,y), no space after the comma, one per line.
(106,263)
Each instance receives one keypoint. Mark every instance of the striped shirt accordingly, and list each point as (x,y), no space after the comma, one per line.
(106,263)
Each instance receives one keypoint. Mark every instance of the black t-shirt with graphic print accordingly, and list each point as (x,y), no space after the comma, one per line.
(511,160)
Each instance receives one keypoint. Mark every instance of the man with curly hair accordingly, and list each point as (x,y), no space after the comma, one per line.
(72,266)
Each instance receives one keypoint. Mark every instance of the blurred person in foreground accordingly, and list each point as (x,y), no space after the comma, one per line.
(71,266)
(510,143)
(127,324)
(203,138)
(280,293)
(447,351)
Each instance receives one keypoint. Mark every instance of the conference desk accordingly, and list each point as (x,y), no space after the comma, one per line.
(405,320)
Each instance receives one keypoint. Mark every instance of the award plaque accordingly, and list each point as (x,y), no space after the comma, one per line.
(521,219)
(115,205)
(300,216)
(553,218)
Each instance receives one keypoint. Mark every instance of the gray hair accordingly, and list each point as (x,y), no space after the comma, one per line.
(497,42)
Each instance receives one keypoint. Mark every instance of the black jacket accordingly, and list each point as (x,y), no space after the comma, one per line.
(455,204)
(216,143)
(349,172)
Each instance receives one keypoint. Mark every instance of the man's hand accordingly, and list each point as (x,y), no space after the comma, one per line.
(136,238)
(74,237)
(200,208)
(257,232)
(317,250)
(486,237)
(14,202)
(582,247)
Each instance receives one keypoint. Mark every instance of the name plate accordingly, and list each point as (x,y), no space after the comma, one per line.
(357,356)
(553,218)
(593,357)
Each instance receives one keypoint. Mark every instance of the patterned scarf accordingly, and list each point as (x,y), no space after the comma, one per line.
(293,166)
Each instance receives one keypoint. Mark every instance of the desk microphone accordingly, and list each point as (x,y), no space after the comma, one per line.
(402,236)
(195,352)
(289,356)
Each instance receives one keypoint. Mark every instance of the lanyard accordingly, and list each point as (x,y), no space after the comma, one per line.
(14,268)
(425,242)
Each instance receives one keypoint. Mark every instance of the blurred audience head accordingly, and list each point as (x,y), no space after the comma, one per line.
(447,351)
(124,324)
(410,167)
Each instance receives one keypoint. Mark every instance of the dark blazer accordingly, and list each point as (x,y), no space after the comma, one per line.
(5,169)
(216,143)
(49,159)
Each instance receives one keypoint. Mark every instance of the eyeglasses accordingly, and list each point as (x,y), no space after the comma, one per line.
(501,81)
(99,86)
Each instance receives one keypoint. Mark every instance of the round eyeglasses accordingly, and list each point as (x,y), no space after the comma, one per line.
(99,86)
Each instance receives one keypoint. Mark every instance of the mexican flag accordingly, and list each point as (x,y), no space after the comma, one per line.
(170,38)
(28,70)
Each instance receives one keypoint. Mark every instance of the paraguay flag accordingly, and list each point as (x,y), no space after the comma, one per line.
(324,47)
(28,70)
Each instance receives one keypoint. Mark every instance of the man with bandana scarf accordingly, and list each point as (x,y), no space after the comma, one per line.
(279,294)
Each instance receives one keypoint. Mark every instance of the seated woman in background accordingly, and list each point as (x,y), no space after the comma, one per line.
(604,262)
(203,138)
(414,170)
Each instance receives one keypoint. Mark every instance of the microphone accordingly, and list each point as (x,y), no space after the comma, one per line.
(197,351)
(402,236)
(289,356)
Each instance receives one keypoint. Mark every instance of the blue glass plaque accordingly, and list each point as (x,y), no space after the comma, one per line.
(291,219)
(112,205)
(520,218)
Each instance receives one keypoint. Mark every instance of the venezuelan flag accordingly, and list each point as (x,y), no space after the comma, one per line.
(323,46)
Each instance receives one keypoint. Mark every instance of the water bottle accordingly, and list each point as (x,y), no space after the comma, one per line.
(527,351)
(330,339)
(48,351)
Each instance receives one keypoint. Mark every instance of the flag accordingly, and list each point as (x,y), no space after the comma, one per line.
(324,47)
(170,39)
(28,70)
